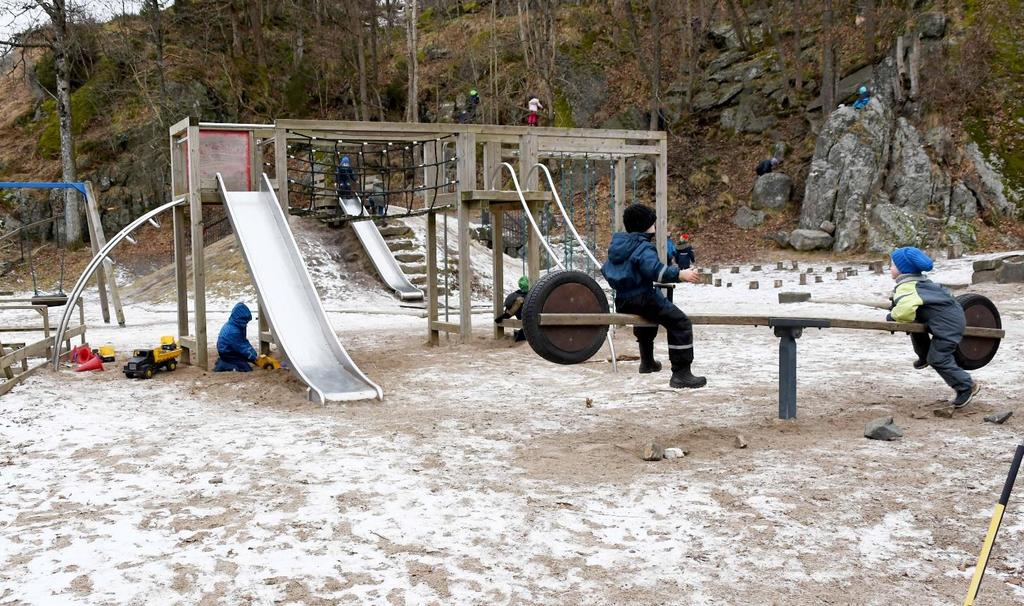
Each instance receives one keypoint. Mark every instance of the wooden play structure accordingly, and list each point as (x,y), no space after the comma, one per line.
(16,357)
(480,159)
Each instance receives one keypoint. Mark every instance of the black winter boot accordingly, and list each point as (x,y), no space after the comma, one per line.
(682,377)
(647,362)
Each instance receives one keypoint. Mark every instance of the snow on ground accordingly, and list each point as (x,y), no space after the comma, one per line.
(484,478)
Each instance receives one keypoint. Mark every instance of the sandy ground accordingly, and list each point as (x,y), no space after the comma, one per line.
(484,477)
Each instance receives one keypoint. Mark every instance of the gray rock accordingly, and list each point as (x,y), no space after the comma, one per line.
(1010,272)
(740,441)
(728,93)
(987,184)
(750,116)
(771,190)
(748,219)
(984,277)
(794,297)
(780,237)
(435,53)
(944,413)
(849,161)
(653,452)
(725,60)
(216,480)
(999,418)
(914,182)
(882,428)
(890,226)
(809,239)
(724,36)
(962,203)
(828,227)
(931,25)
(704,100)
(986,264)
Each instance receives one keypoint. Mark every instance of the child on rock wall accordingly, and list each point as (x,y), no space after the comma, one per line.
(632,268)
(918,299)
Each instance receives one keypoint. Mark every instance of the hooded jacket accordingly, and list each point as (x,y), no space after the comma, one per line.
(231,342)
(633,266)
(918,299)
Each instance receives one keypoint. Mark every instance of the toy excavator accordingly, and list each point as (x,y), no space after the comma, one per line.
(267,362)
(146,362)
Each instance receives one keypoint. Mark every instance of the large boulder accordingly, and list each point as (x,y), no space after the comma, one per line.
(931,25)
(849,161)
(809,239)
(962,202)
(913,181)
(891,226)
(987,184)
(771,190)
(748,219)
(750,116)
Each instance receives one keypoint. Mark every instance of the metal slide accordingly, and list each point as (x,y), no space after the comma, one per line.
(380,254)
(292,305)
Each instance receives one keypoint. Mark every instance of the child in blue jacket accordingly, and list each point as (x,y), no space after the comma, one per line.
(632,268)
(233,348)
(918,299)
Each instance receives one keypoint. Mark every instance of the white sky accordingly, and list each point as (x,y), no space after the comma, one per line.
(15,17)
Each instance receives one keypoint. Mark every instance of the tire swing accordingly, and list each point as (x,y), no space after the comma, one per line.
(564,292)
(975,352)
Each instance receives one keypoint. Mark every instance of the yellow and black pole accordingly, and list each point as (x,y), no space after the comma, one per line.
(993,527)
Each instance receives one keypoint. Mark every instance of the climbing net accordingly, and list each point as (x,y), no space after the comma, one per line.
(388,178)
(586,184)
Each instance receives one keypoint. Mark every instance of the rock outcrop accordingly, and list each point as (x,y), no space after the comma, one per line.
(771,190)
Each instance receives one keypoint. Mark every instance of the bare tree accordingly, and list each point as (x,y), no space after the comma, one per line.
(828,62)
(412,108)
(655,71)
(59,38)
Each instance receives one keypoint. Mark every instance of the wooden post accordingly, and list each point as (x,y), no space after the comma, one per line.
(433,335)
(915,67)
(466,151)
(198,256)
(101,276)
(180,269)
(281,167)
(528,156)
(498,271)
(430,172)
(99,240)
(620,193)
(263,327)
(661,197)
(492,160)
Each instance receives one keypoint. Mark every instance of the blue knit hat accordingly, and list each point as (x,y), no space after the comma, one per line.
(911,260)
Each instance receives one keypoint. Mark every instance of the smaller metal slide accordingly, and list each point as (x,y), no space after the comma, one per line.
(292,305)
(380,254)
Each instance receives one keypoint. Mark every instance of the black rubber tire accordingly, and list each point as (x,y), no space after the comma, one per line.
(565,344)
(171,366)
(147,374)
(975,352)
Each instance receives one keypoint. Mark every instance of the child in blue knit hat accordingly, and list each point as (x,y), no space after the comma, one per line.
(918,299)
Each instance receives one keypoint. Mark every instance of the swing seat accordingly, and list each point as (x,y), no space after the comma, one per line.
(57,300)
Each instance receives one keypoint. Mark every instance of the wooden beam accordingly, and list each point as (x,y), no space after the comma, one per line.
(446,327)
(198,251)
(491,195)
(510,323)
(281,167)
(492,162)
(99,240)
(498,268)
(433,337)
(488,130)
(595,146)
(661,199)
(180,269)
(466,151)
(619,193)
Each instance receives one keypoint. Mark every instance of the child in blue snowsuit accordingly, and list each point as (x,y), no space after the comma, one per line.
(918,299)
(632,268)
(233,348)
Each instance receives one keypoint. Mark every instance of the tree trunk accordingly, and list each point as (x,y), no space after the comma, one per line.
(69,172)
(156,26)
(656,67)
(828,64)
(798,70)
(870,30)
(364,101)
(413,110)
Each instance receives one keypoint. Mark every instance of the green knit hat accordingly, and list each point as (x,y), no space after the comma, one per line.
(524,284)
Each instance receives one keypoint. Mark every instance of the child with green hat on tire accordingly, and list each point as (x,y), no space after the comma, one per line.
(514,306)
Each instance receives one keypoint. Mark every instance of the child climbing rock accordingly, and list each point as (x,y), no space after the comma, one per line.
(632,268)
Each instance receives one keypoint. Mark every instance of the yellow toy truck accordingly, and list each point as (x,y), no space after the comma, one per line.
(146,362)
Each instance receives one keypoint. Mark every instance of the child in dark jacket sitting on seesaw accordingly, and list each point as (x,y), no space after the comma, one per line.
(632,268)
(918,299)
